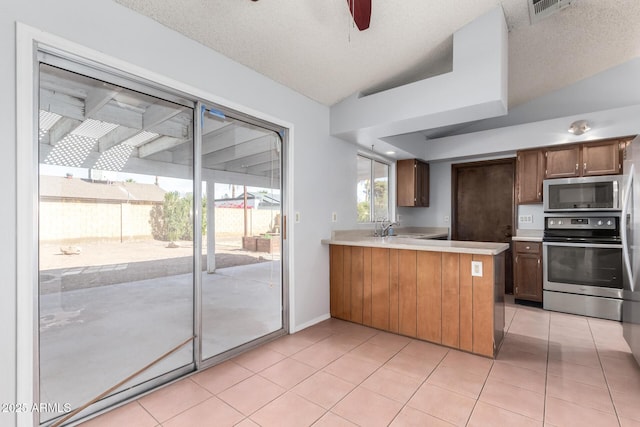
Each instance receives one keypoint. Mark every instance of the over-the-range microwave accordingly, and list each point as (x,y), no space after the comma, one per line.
(594,193)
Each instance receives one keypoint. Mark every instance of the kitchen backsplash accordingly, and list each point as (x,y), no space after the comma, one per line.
(530,217)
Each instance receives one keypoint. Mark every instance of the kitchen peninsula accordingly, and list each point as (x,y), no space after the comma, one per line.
(445,292)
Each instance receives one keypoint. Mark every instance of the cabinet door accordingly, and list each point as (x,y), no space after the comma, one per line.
(528,276)
(601,158)
(529,176)
(563,162)
(422,180)
(406,175)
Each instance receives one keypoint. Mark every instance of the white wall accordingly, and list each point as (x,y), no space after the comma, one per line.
(321,163)
(7,216)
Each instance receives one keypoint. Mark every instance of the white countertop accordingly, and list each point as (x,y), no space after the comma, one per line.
(524,235)
(395,242)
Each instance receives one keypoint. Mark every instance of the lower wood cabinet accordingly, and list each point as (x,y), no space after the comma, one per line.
(527,271)
(421,294)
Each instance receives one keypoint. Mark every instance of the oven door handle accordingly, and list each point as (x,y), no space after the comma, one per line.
(585,245)
(623,226)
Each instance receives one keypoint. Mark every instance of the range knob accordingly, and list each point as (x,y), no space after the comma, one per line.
(559,222)
(609,222)
(551,222)
(599,222)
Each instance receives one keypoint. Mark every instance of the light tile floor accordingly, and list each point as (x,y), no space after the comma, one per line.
(553,369)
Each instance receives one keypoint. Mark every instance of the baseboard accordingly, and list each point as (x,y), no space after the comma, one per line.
(311,323)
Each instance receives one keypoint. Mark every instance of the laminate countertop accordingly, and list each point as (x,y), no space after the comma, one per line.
(528,236)
(420,244)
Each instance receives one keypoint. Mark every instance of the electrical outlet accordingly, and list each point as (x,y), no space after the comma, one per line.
(334,217)
(525,219)
(297,217)
(476,268)
(446,219)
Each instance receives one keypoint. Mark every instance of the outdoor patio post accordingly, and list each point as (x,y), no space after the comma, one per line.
(211,227)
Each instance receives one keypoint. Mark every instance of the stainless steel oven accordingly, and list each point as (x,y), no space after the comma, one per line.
(582,259)
(588,194)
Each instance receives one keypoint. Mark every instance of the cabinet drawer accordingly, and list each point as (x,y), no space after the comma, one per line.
(527,247)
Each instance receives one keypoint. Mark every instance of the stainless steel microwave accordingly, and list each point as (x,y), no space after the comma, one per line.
(594,193)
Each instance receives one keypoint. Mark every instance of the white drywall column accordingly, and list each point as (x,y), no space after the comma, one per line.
(475,89)
(211,227)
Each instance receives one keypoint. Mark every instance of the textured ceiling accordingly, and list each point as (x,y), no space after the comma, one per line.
(311,46)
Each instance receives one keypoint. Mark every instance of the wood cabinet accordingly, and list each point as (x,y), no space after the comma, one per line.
(601,158)
(562,162)
(527,271)
(421,294)
(529,176)
(588,159)
(412,183)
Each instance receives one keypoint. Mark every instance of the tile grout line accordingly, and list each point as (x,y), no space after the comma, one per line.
(333,333)
(248,417)
(546,374)
(321,369)
(418,388)
(506,332)
(368,376)
(595,344)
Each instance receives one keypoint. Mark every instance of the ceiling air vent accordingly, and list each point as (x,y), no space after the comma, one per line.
(540,9)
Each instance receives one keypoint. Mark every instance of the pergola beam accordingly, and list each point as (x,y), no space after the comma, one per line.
(160,144)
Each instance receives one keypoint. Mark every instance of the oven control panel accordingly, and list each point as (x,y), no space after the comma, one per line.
(581,223)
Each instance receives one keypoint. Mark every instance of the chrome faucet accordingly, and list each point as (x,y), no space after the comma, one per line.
(384,228)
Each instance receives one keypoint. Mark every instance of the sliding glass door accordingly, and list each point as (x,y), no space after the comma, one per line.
(115,237)
(242,297)
(139,189)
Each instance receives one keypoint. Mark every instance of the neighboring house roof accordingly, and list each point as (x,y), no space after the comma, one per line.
(77,188)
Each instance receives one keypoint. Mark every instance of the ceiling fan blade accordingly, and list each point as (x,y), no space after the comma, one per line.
(361,12)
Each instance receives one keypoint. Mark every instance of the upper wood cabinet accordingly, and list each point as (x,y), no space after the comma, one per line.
(588,159)
(529,176)
(412,183)
(601,158)
(562,162)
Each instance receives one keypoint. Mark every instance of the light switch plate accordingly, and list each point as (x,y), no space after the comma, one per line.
(297,217)
(476,268)
(334,217)
(525,219)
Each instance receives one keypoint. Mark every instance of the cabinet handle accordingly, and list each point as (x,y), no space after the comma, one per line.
(576,166)
(517,258)
(584,167)
(538,261)
(527,247)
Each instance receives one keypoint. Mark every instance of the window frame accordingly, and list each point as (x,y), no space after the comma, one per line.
(391,188)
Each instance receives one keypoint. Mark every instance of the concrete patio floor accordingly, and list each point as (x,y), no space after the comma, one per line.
(94,337)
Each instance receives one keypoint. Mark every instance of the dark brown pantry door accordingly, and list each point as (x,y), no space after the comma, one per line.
(483,205)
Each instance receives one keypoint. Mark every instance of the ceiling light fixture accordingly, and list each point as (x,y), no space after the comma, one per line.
(390,152)
(579,127)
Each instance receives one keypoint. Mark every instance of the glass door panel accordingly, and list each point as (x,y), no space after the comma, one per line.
(116,249)
(242,297)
